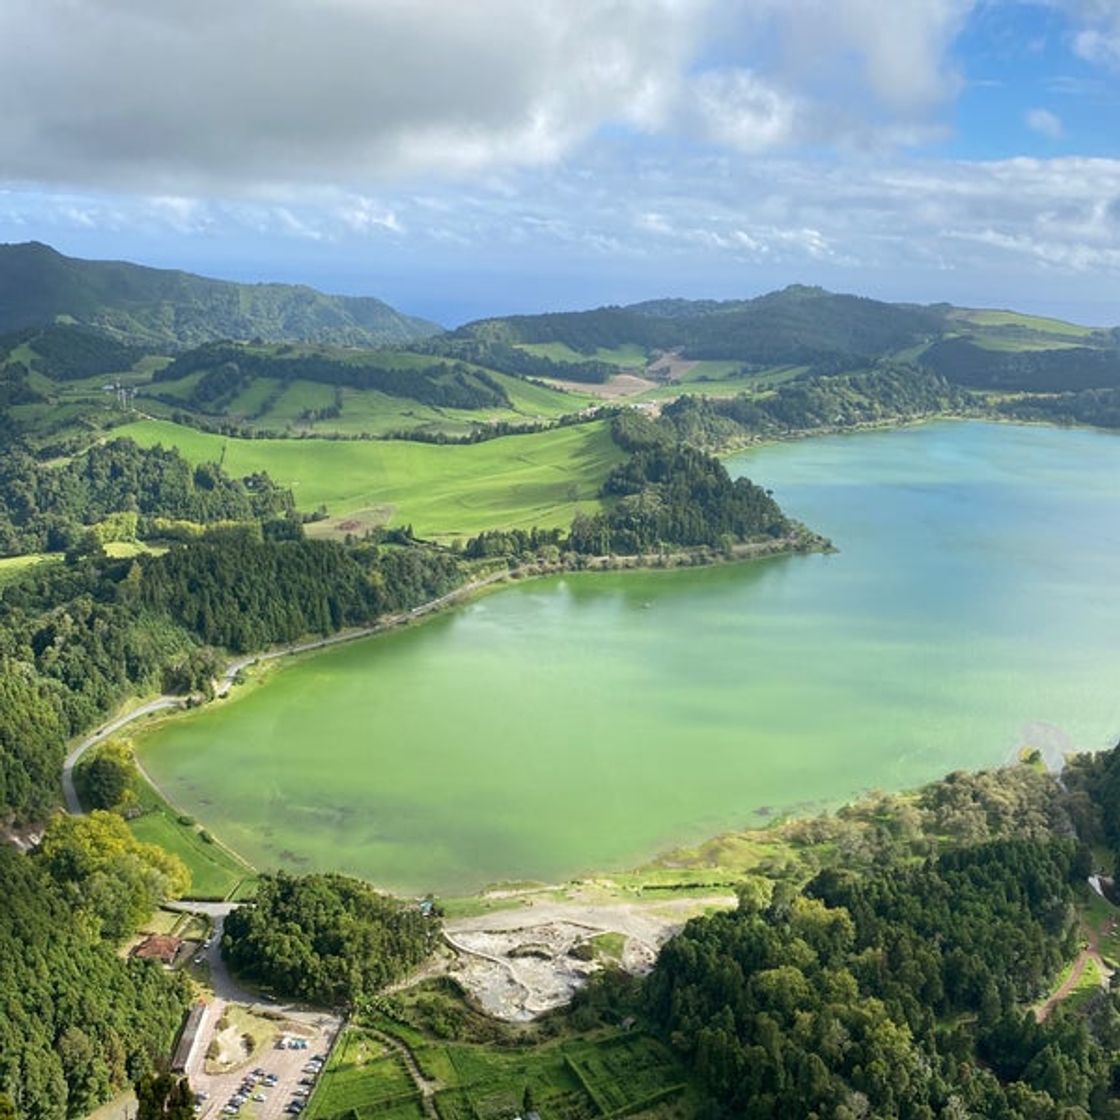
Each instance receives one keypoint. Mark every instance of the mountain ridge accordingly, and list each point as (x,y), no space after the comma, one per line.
(174,308)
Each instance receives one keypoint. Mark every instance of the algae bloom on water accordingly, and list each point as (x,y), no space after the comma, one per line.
(583,723)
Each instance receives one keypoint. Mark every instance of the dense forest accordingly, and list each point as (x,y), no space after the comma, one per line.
(891,391)
(119,490)
(328,939)
(77,1022)
(1062,370)
(76,639)
(895,993)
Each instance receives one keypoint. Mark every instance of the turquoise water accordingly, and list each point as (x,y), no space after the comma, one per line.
(588,722)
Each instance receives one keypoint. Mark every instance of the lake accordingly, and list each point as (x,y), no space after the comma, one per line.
(583,723)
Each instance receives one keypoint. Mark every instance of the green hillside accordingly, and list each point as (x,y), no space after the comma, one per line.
(165,307)
(515,481)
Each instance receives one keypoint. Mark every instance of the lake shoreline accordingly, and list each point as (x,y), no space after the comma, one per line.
(886,519)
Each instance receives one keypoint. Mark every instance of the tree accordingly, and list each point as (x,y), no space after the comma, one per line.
(162,1096)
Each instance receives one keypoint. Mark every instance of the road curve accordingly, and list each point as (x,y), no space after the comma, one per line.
(73,805)
(225,681)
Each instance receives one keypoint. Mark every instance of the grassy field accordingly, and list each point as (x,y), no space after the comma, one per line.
(12,567)
(271,404)
(538,479)
(1039,323)
(607,1073)
(215,874)
(726,385)
(630,356)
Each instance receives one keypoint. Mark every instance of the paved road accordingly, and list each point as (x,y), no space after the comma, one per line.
(73,805)
(225,987)
(162,703)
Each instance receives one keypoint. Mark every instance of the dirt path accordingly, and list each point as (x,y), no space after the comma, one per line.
(424,1087)
(225,682)
(1090,953)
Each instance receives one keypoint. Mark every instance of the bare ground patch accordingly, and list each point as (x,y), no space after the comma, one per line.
(619,386)
(519,964)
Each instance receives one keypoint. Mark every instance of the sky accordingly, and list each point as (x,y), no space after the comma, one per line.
(463,158)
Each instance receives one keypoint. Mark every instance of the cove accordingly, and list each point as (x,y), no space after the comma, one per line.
(587,722)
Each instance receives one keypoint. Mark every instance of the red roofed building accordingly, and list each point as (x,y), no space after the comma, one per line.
(158,947)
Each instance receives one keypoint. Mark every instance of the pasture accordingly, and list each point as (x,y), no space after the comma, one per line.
(629,356)
(1038,323)
(543,478)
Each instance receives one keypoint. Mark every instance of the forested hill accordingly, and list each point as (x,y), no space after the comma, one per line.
(797,325)
(819,332)
(163,307)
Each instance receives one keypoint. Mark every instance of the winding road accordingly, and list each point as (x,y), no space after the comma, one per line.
(229,674)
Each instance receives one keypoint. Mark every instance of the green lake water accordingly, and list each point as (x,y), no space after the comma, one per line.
(589,722)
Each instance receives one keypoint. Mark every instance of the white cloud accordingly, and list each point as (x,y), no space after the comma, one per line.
(188,97)
(736,109)
(1096,36)
(1044,123)
(900,48)
(270,97)
(1099,46)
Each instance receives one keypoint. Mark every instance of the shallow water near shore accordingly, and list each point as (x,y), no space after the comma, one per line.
(581,723)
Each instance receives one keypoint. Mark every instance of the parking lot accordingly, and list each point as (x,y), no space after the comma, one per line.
(272,1083)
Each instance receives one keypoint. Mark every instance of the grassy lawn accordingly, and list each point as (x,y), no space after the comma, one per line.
(122,549)
(539,479)
(604,1073)
(215,874)
(1104,918)
(1087,986)
(12,567)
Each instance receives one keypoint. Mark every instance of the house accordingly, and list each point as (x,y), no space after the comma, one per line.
(158,947)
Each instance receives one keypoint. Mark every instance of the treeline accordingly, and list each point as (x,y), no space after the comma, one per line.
(889,391)
(76,639)
(1098,407)
(78,1023)
(1063,370)
(244,594)
(47,509)
(65,353)
(230,369)
(896,993)
(327,939)
(496,352)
